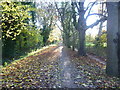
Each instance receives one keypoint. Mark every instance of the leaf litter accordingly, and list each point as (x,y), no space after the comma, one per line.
(41,70)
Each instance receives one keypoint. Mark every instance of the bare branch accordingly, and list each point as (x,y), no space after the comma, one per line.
(96,23)
(88,6)
(76,6)
(59,27)
(95,14)
(90,9)
(57,8)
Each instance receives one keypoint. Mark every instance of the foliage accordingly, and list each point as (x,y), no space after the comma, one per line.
(92,73)
(46,17)
(102,40)
(55,35)
(98,45)
(13,19)
(89,41)
(19,33)
(89,38)
(24,73)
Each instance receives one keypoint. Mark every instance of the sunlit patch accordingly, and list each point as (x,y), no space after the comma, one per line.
(61,47)
(66,63)
(67,75)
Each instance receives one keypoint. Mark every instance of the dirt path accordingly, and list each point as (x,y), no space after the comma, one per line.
(67,70)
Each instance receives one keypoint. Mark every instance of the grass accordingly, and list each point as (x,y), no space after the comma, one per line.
(88,44)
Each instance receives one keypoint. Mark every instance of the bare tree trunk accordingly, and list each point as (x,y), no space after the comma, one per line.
(118,48)
(113,62)
(100,29)
(67,40)
(73,39)
(81,50)
(73,44)
(81,30)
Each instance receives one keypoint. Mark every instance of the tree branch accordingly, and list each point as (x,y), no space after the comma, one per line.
(90,9)
(88,6)
(59,27)
(94,14)
(96,23)
(57,8)
(76,6)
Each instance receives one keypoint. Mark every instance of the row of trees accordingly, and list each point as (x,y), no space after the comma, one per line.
(73,17)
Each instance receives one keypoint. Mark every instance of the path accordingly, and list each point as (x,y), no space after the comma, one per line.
(68,70)
(68,75)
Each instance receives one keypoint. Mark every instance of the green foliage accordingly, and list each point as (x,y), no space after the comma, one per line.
(19,33)
(89,41)
(29,39)
(14,16)
(89,38)
(97,46)
(102,40)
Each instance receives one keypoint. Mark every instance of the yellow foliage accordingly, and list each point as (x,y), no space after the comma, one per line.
(55,35)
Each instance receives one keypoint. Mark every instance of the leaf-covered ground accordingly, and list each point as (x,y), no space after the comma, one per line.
(33,71)
(93,73)
(57,67)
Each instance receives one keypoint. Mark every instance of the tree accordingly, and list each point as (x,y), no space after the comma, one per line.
(13,16)
(77,11)
(113,39)
(65,14)
(81,24)
(102,10)
(63,19)
(19,32)
(101,41)
(46,18)
(55,35)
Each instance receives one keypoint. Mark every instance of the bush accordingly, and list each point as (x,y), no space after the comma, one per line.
(19,35)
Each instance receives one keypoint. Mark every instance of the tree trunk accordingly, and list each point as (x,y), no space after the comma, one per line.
(67,40)
(100,29)
(118,34)
(1,44)
(73,41)
(81,30)
(113,62)
(81,50)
